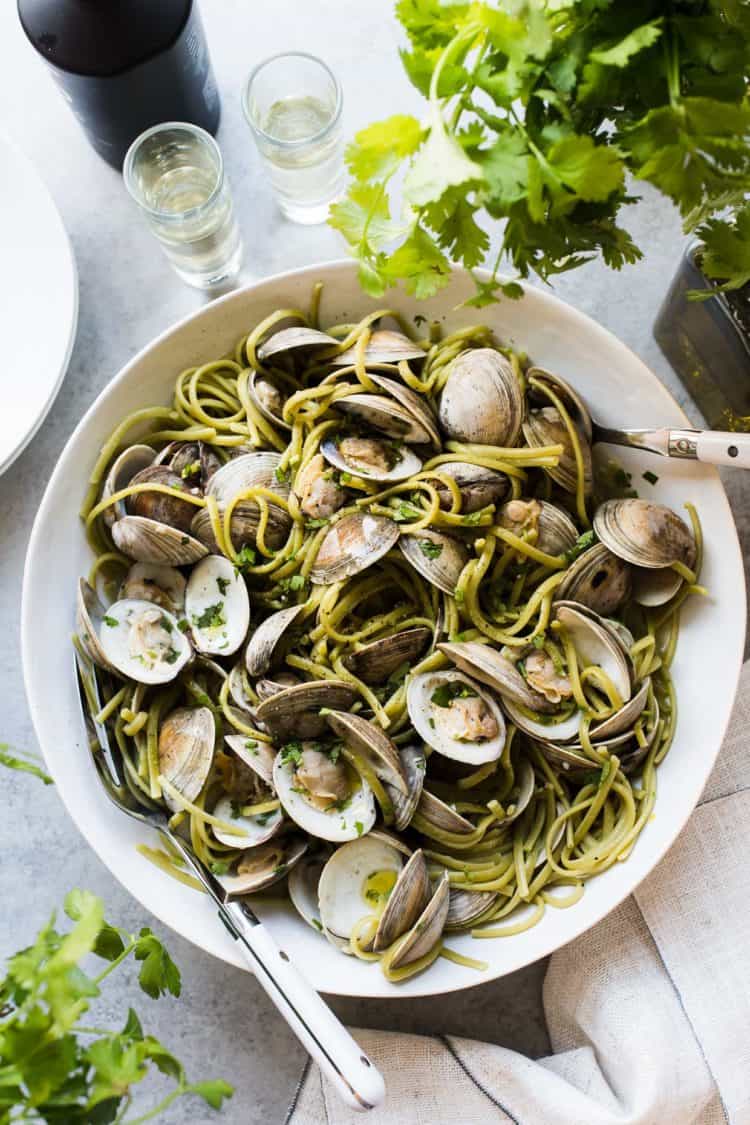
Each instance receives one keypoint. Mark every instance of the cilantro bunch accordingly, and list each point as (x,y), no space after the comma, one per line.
(540,112)
(58,1070)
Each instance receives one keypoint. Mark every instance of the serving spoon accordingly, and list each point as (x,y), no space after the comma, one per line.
(354,1077)
(712,447)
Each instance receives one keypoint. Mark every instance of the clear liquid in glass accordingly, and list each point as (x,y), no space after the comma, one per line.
(306,176)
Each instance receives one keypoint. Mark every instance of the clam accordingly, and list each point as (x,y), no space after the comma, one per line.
(427,930)
(318,491)
(481,401)
(371,458)
(490,667)
(415,405)
(192,461)
(437,557)
(373,755)
(405,904)
(186,751)
(571,400)
(465,908)
(251,829)
(374,663)
(556,532)
(249,470)
(268,399)
(293,339)
(90,615)
(597,579)
(523,790)
(238,689)
(651,537)
(303,885)
(125,466)
(351,545)
(623,719)
(322,793)
(259,756)
(148,541)
(260,867)
(294,712)
(546,427)
(159,506)
(261,648)
(479,486)
(413,766)
(143,642)
(384,346)
(382,413)
(435,813)
(150,582)
(217,606)
(456,717)
(597,645)
(356,883)
(272,685)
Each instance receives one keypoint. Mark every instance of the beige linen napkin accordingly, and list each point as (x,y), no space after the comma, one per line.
(648,1013)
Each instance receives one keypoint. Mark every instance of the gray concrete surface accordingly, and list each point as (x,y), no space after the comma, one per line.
(223,1024)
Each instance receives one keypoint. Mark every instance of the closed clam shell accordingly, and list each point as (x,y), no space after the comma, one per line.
(571,400)
(556,532)
(261,647)
(481,401)
(597,579)
(489,666)
(294,338)
(441,569)
(148,541)
(644,534)
(370,743)
(262,866)
(351,545)
(380,412)
(406,902)
(479,486)
(120,473)
(375,662)
(186,751)
(295,711)
(427,930)
(546,427)
(249,470)
(384,346)
(158,505)
(467,907)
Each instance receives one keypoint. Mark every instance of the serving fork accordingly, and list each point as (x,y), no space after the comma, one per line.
(712,447)
(355,1078)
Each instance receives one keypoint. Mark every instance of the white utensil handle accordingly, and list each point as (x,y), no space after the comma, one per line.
(711,446)
(357,1080)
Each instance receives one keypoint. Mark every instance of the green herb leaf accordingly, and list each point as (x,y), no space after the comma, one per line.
(429,549)
(213,1093)
(291,752)
(212,617)
(378,150)
(191,470)
(582,543)
(158,974)
(223,584)
(111,621)
(444,695)
(650,477)
(359,827)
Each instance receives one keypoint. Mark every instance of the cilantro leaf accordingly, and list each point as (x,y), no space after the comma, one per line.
(378,150)
(429,549)
(212,617)
(620,53)
(213,1092)
(158,974)
(441,163)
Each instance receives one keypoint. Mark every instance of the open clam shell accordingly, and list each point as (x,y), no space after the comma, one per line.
(293,339)
(489,666)
(623,719)
(437,557)
(252,830)
(303,883)
(259,756)
(556,532)
(571,400)
(430,717)
(217,606)
(383,413)
(163,585)
(440,815)
(374,663)
(294,712)
(427,930)
(338,451)
(120,473)
(351,545)
(596,644)
(598,580)
(186,751)
(415,405)
(546,427)
(414,765)
(405,904)
(261,647)
(143,642)
(521,793)
(267,398)
(384,346)
(481,401)
(90,615)
(355,883)
(372,753)
(652,588)
(148,541)
(264,865)
(336,822)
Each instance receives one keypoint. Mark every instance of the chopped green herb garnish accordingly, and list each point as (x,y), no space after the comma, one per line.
(291,752)
(281,474)
(406,513)
(251,746)
(171,655)
(223,584)
(245,558)
(280,869)
(429,549)
(459,595)
(111,621)
(220,867)
(211,618)
(311,525)
(538,640)
(444,695)
(472,518)
(191,470)
(582,543)
(263,818)
(318,924)
(334,752)
(650,477)
(185,540)
(345,478)
(165,623)
(183,625)
(236,807)
(359,826)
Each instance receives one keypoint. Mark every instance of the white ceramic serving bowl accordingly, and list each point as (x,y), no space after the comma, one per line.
(620,390)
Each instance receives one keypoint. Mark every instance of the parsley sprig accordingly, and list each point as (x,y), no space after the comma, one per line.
(538,111)
(58,1070)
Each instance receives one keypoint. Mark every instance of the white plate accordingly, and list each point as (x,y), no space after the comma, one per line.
(38,302)
(620,390)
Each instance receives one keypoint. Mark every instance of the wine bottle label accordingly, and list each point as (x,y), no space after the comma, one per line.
(176,85)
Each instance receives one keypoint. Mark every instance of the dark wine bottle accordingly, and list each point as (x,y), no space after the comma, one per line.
(125,65)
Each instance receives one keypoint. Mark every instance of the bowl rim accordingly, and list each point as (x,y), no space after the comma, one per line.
(314,272)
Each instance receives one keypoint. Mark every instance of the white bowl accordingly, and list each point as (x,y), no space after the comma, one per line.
(620,390)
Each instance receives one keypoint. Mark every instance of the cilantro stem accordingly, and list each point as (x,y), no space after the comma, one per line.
(449,52)
(117,961)
(163,1104)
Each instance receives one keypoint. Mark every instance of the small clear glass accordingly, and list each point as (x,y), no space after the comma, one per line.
(292,103)
(175,173)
